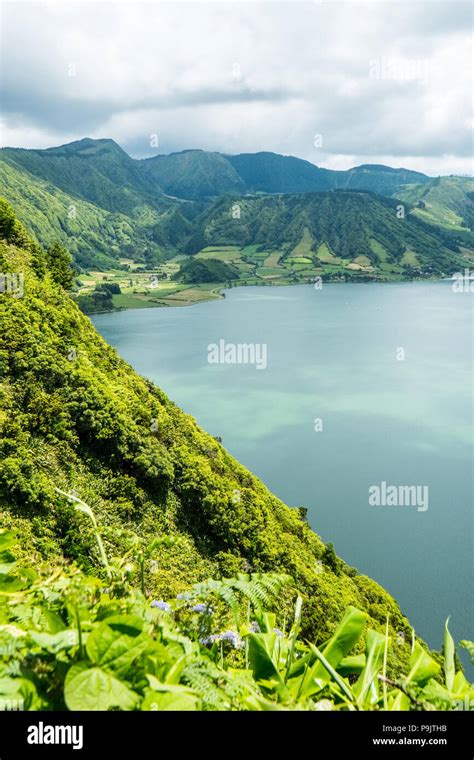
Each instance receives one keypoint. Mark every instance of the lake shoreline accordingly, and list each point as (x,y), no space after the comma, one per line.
(219,291)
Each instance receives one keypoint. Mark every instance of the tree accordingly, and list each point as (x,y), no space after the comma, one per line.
(59,264)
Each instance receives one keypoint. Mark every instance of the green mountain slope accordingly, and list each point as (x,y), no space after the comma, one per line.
(193,174)
(75,416)
(95,237)
(271,173)
(378,178)
(340,224)
(105,206)
(445,201)
(98,171)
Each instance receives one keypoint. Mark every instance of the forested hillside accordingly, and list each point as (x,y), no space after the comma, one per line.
(77,417)
(346,224)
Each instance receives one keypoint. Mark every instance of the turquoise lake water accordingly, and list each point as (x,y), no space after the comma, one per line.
(335,355)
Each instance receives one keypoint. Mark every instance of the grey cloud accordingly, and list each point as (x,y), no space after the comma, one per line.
(302,69)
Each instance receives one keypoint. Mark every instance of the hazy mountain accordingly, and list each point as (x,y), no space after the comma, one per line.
(193,174)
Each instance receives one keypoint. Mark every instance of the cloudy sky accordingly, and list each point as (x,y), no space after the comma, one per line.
(337,83)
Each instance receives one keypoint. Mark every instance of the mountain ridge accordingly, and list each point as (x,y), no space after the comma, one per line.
(107,206)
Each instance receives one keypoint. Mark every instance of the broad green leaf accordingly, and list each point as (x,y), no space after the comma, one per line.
(53,621)
(89,688)
(257,703)
(113,649)
(449,669)
(346,636)
(354,664)
(161,686)
(129,624)
(422,666)
(176,701)
(367,680)
(461,685)
(18,694)
(11,583)
(260,652)
(55,642)
(332,673)
(436,694)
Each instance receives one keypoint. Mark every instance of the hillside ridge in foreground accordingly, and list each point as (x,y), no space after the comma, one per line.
(75,416)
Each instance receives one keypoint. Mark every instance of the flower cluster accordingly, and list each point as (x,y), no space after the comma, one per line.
(161,605)
(203,609)
(231,637)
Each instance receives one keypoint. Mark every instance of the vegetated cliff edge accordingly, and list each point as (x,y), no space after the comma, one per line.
(75,416)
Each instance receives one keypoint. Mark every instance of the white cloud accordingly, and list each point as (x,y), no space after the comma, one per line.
(381,82)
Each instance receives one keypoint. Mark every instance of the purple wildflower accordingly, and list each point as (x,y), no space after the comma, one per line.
(232,637)
(278,632)
(161,605)
(254,627)
(203,608)
(210,639)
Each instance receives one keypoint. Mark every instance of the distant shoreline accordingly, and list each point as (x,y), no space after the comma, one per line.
(219,294)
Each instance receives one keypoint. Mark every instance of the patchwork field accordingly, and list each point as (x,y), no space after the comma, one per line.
(142,288)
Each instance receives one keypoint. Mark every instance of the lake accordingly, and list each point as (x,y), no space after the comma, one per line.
(365,384)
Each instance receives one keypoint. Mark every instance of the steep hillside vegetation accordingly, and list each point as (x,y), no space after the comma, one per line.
(340,224)
(74,416)
(96,238)
(444,201)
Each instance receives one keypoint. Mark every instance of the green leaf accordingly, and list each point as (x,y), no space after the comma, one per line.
(129,624)
(345,688)
(7,539)
(171,700)
(55,642)
(354,664)
(18,694)
(12,583)
(422,666)
(375,646)
(346,636)
(449,668)
(89,688)
(261,652)
(113,649)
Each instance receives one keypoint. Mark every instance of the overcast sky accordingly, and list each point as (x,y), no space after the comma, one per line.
(339,84)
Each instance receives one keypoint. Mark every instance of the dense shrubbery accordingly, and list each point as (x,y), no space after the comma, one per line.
(100,299)
(206,270)
(70,641)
